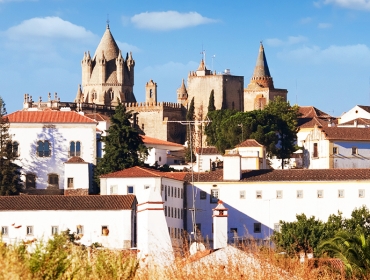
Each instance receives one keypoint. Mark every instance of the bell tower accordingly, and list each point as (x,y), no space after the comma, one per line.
(151,92)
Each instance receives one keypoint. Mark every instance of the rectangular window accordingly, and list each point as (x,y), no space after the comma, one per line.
(130,189)
(43,149)
(29,230)
(182,214)
(279,194)
(320,193)
(340,193)
(182,193)
(165,193)
(178,213)
(299,194)
(203,195)
(165,211)
(335,150)
(315,150)
(259,194)
(175,189)
(178,192)
(354,151)
(104,231)
(361,193)
(175,213)
(242,194)
(54,230)
(70,183)
(257,227)
(4,231)
(277,227)
(214,196)
(171,191)
(113,189)
(80,229)
(171,212)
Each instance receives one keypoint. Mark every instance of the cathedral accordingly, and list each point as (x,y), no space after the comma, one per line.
(108,79)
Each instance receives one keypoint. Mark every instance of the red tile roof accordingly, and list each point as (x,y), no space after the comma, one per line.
(311,122)
(98,117)
(274,175)
(75,160)
(60,202)
(154,141)
(142,172)
(311,112)
(48,117)
(360,121)
(208,151)
(347,133)
(249,143)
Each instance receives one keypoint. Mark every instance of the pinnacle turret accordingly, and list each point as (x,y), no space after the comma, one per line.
(261,74)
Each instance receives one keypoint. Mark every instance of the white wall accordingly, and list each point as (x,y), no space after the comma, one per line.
(269,209)
(118,222)
(354,113)
(59,136)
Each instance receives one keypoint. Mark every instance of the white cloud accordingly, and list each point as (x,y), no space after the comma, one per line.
(350,4)
(169,20)
(292,40)
(125,47)
(356,55)
(48,27)
(324,25)
(305,20)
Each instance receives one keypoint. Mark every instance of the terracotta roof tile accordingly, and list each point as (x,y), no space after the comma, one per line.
(360,121)
(311,112)
(249,143)
(366,108)
(98,117)
(48,117)
(154,141)
(75,160)
(347,133)
(60,202)
(273,175)
(311,122)
(208,151)
(142,172)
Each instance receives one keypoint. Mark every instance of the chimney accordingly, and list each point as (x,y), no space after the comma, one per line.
(355,123)
(232,165)
(220,226)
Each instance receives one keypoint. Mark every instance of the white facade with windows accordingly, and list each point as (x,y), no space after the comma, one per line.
(48,139)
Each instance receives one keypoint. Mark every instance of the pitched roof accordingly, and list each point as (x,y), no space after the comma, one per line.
(311,122)
(207,151)
(61,202)
(261,69)
(142,172)
(360,121)
(273,175)
(249,143)
(98,117)
(154,141)
(347,133)
(366,108)
(49,116)
(107,45)
(311,112)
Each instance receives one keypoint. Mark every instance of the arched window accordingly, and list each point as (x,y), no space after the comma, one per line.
(75,149)
(43,149)
(53,180)
(30,181)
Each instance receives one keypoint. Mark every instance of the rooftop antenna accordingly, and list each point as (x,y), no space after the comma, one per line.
(203,52)
(213,57)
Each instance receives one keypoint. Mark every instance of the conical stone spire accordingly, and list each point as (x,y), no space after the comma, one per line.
(107,45)
(261,74)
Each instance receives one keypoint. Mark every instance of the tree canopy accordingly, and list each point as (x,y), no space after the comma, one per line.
(10,182)
(190,133)
(275,127)
(124,146)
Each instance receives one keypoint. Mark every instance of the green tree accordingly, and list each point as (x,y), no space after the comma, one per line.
(10,182)
(286,128)
(353,250)
(190,117)
(124,146)
(302,235)
(211,103)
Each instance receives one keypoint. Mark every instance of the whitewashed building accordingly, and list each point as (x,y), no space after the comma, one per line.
(45,139)
(108,220)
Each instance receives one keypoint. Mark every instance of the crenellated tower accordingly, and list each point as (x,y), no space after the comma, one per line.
(151,92)
(107,76)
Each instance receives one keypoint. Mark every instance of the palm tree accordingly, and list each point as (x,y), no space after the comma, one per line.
(353,250)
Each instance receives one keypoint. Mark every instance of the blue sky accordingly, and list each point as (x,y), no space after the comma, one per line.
(318,50)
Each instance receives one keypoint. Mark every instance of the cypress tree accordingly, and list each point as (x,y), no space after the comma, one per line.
(124,146)
(10,182)
(211,103)
(190,116)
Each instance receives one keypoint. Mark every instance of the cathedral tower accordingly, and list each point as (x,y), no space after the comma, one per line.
(151,92)
(261,87)
(107,76)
